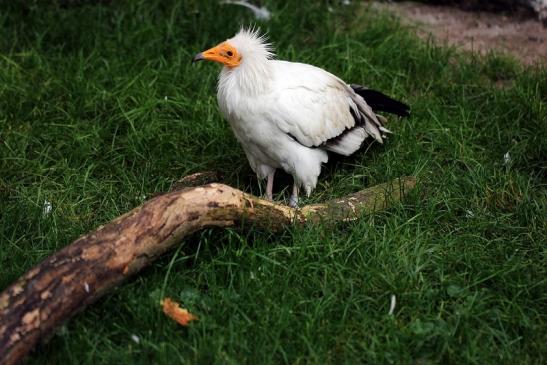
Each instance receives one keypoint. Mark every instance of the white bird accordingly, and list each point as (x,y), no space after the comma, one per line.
(288,115)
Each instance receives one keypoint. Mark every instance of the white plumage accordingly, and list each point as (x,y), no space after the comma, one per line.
(288,115)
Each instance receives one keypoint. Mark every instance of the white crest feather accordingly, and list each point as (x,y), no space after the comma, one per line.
(251,43)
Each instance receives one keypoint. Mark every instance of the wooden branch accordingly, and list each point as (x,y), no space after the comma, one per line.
(74,277)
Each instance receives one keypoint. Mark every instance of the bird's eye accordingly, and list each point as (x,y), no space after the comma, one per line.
(230,53)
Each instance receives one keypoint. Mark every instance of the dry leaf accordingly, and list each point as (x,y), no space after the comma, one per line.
(173,310)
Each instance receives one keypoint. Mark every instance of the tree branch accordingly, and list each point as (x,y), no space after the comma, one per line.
(69,280)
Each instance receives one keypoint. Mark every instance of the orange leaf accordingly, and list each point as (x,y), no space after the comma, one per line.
(173,310)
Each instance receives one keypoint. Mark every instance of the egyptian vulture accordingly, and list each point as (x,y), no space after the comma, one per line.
(288,115)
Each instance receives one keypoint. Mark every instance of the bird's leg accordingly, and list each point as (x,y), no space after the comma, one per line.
(293,200)
(269,185)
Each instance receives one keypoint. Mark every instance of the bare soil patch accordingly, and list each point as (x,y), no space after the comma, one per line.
(524,38)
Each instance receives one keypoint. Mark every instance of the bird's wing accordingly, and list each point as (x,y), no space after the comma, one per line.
(314,106)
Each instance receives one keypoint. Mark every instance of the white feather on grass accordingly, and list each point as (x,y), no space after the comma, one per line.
(47,208)
(261,13)
(392,304)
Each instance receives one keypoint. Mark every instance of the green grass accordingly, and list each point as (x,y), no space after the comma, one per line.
(100,108)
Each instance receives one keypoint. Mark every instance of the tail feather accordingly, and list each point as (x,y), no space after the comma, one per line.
(380,102)
(363,109)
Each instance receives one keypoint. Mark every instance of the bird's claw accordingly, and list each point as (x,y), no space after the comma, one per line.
(293,201)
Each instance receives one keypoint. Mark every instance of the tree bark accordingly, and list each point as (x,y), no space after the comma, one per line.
(66,282)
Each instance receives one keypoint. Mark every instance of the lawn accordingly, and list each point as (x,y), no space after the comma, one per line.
(100,108)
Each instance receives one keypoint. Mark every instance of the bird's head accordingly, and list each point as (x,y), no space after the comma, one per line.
(247,46)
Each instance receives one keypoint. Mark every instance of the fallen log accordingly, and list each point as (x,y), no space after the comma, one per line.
(69,280)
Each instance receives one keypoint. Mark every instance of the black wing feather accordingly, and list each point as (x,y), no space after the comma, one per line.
(379,101)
